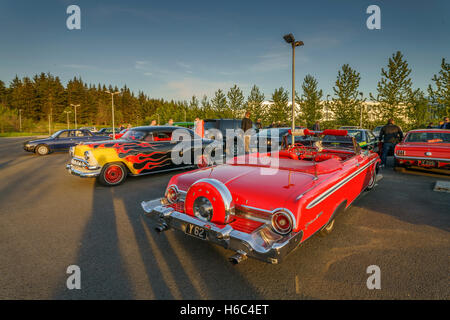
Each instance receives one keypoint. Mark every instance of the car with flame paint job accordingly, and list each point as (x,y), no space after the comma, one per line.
(140,151)
(264,205)
(61,140)
(424,148)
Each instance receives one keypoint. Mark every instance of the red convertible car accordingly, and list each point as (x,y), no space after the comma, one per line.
(425,148)
(264,205)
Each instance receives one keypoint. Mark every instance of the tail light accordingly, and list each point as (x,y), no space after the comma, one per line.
(172,194)
(401,152)
(282,222)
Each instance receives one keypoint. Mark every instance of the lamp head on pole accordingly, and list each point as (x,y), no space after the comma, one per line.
(289,38)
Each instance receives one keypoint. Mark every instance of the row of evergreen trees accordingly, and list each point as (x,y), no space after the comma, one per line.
(45,98)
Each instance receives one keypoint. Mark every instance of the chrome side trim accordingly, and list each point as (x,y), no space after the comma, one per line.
(337,186)
(420,158)
(161,171)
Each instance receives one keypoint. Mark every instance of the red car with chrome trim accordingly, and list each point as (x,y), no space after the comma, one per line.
(425,148)
(264,205)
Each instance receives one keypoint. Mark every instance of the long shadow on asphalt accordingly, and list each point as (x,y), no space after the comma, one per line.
(120,249)
(102,267)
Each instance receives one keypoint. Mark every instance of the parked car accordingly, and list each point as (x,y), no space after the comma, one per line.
(60,141)
(365,138)
(425,148)
(221,126)
(91,129)
(106,131)
(237,206)
(348,127)
(141,150)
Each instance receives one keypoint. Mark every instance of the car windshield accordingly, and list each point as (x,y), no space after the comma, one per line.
(357,134)
(328,141)
(431,137)
(56,134)
(134,135)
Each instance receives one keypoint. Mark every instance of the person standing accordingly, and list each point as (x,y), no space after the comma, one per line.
(390,135)
(198,127)
(446,124)
(316,126)
(153,123)
(258,124)
(246,125)
(430,125)
(170,123)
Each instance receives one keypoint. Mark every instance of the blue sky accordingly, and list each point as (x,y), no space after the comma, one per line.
(174,49)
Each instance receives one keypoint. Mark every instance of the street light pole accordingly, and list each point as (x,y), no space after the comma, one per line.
(328,105)
(75,106)
(67,113)
(112,111)
(361,113)
(289,38)
(20,120)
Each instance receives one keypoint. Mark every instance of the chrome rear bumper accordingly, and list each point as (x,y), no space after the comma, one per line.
(255,245)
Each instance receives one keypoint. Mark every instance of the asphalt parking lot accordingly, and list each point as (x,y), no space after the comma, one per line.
(50,220)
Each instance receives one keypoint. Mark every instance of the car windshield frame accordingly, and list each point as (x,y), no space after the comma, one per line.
(328,141)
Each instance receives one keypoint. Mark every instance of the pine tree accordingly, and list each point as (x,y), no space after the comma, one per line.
(255,103)
(418,111)
(347,104)
(219,104)
(441,94)
(236,102)
(206,108)
(310,105)
(394,89)
(279,110)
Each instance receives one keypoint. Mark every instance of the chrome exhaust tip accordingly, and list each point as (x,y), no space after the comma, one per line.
(238,258)
(161,228)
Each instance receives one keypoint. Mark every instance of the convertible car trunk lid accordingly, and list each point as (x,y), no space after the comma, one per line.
(250,186)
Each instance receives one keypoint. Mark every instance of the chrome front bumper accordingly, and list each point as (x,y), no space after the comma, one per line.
(82,172)
(251,245)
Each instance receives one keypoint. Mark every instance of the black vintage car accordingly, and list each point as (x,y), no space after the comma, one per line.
(140,151)
(61,140)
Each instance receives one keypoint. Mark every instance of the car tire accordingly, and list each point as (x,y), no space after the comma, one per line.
(112,174)
(42,150)
(327,229)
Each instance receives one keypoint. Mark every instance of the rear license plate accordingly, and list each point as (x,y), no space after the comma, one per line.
(428,163)
(195,231)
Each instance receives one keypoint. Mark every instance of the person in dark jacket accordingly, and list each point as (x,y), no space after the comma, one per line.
(316,126)
(446,124)
(430,125)
(246,125)
(390,135)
